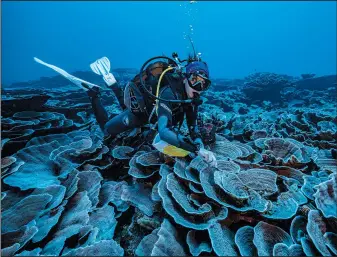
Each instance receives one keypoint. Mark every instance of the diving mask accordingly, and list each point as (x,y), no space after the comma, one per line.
(200,81)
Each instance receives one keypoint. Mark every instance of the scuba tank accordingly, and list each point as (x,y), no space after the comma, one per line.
(136,96)
(142,93)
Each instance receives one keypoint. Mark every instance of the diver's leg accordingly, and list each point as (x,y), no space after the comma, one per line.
(98,108)
(102,67)
(122,122)
(119,93)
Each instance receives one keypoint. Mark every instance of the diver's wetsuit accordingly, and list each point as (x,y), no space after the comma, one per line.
(170,117)
(114,125)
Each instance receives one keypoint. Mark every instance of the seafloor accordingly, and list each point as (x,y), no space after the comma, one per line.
(66,192)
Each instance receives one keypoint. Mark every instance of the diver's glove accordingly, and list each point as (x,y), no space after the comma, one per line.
(198,143)
(208,157)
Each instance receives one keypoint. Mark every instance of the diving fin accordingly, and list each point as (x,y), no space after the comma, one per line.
(102,67)
(77,81)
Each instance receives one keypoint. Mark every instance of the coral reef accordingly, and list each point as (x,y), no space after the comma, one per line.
(67,191)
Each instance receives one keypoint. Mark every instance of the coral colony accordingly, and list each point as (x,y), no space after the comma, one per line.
(65,191)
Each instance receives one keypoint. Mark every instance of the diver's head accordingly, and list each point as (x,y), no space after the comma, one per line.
(197,78)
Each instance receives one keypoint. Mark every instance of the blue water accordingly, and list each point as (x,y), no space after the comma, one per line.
(235,38)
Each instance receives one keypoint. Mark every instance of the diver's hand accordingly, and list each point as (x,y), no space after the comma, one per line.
(198,142)
(208,156)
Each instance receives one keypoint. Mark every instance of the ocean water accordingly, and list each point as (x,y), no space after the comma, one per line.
(236,38)
(83,176)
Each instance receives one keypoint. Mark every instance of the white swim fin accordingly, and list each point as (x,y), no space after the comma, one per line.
(102,67)
(77,81)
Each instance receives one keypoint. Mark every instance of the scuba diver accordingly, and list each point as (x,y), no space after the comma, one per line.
(177,89)
(179,95)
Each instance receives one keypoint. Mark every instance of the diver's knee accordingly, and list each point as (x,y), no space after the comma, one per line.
(118,124)
(126,120)
(107,130)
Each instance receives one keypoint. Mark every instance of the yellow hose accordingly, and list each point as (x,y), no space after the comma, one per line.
(158,85)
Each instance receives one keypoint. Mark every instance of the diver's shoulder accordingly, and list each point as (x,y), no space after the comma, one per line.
(174,75)
(167,92)
(174,79)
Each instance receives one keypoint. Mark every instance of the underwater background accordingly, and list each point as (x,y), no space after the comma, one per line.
(269,117)
(236,38)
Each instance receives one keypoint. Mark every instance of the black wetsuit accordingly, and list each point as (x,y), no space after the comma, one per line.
(170,116)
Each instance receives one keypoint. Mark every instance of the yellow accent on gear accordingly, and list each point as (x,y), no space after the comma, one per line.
(175,151)
(168,149)
(158,85)
(159,144)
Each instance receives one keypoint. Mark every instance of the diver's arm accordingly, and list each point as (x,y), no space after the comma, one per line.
(166,131)
(191,119)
